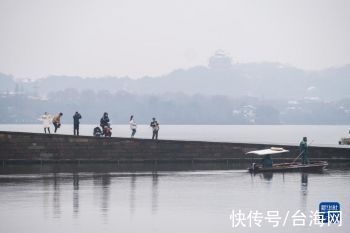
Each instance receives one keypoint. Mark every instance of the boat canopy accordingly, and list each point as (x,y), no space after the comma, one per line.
(271,151)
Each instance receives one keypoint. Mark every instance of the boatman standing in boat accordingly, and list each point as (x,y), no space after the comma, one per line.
(304,150)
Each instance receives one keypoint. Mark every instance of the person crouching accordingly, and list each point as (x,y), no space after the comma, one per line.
(56,121)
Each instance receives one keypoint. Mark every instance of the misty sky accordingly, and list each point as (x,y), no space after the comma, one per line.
(153,37)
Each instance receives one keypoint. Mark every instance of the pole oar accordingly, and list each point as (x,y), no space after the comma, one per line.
(302,152)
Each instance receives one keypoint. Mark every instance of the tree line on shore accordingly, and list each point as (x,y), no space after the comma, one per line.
(173,108)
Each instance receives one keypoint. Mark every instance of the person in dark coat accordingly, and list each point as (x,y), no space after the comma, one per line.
(76,121)
(104,120)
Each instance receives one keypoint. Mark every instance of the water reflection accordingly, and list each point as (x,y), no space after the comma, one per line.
(303,189)
(267,176)
(102,191)
(85,201)
(304,182)
(46,196)
(102,183)
(56,196)
(75,194)
(154,192)
(263,175)
(101,186)
(106,182)
(132,193)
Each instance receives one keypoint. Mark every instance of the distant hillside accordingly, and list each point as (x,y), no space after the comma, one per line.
(221,93)
(221,77)
(172,108)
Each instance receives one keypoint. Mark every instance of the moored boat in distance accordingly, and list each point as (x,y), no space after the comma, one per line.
(268,166)
(344,141)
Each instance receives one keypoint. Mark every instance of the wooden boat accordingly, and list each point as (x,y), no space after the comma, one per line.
(317,166)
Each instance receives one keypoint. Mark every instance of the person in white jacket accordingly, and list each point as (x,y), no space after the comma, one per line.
(133,126)
(46,119)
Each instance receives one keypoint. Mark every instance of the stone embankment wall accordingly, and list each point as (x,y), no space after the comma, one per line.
(27,147)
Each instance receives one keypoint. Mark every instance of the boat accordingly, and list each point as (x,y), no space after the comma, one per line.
(316,166)
(344,141)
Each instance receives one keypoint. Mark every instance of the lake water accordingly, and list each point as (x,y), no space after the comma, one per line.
(58,199)
(325,135)
(172,198)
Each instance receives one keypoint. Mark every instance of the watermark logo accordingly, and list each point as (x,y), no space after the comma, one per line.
(329,213)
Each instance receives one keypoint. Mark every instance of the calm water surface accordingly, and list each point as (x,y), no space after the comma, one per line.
(181,198)
(54,199)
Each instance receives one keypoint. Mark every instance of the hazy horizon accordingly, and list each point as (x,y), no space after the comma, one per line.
(153,38)
(171,71)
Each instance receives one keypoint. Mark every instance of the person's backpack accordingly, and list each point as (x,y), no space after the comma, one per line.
(97,132)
